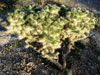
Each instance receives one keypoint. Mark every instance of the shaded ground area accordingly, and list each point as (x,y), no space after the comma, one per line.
(92,5)
(16,60)
(95,4)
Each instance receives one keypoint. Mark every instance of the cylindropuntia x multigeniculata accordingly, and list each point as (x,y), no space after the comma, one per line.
(50,25)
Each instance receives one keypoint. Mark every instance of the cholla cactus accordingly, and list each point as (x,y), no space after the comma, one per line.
(50,25)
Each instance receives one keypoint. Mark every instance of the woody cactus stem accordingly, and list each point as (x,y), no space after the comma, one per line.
(57,64)
(65,54)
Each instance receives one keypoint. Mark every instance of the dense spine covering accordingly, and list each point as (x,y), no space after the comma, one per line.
(49,25)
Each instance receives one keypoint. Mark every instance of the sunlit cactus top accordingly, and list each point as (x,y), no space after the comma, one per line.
(49,25)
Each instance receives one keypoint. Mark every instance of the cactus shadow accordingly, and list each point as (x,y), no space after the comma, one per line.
(2,28)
